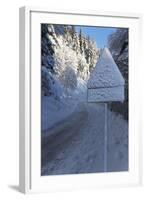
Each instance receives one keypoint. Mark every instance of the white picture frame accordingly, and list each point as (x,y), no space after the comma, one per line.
(29,160)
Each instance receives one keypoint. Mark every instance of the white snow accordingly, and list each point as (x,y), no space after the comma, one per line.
(55,110)
(106,72)
(78,143)
(106,82)
(72,130)
(106,94)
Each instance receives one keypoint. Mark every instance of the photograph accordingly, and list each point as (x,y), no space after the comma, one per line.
(84,99)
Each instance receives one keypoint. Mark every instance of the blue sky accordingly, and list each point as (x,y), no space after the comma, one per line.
(99,34)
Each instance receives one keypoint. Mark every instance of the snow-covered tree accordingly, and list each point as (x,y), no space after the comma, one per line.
(47,49)
(118,45)
(64,58)
(93,54)
(69,79)
(81,41)
(83,67)
(50,85)
(64,50)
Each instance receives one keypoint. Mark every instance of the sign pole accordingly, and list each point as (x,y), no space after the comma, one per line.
(105,137)
(106,75)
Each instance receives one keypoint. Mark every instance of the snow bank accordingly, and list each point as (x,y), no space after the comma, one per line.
(53,111)
(80,148)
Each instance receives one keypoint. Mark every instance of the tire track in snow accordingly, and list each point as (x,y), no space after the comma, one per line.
(61,135)
(76,144)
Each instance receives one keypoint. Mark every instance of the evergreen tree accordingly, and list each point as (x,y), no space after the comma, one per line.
(66,57)
(73,31)
(118,45)
(80,40)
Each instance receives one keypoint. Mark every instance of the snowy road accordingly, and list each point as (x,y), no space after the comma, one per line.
(76,145)
(62,135)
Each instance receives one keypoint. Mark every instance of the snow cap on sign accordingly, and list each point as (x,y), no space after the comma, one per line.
(106,82)
(106,72)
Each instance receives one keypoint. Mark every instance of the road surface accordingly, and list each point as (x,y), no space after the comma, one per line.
(76,145)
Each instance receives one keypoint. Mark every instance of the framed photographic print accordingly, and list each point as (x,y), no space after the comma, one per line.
(79,114)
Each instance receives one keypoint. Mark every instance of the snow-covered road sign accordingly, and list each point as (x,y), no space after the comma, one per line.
(106,82)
